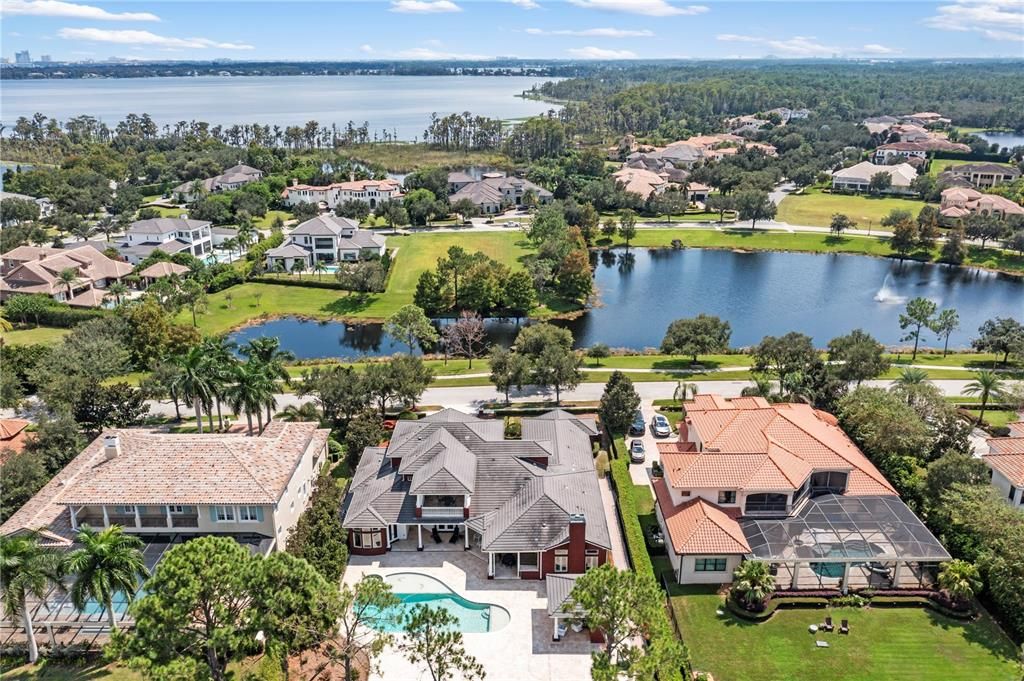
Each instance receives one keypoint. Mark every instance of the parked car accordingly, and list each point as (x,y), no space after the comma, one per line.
(512,223)
(638,427)
(636,451)
(660,426)
(655,539)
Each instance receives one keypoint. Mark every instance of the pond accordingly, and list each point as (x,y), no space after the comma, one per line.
(1005,140)
(759,294)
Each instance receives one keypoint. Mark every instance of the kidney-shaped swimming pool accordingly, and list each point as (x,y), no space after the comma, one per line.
(414,589)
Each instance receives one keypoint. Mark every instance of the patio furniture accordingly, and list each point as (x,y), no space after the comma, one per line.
(577,626)
(844,627)
(435,535)
(455,536)
(813,628)
(821,644)
(828,626)
(508,559)
(560,632)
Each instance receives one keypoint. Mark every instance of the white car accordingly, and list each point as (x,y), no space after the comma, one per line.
(660,426)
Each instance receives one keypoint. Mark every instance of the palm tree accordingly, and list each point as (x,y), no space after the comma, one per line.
(685,391)
(220,361)
(279,267)
(298,267)
(27,569)
(68,276)
(267,353)
(252,389)
(246,233)
(230,245)
(118,290)
(960,580)
(753,582)
(5,325)
(986,385)
(319,266)
(912,376)
(109,561)
(307,411)
(193,381)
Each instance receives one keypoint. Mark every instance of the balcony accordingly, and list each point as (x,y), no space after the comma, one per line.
(151,520)
(441,512)
(185,521)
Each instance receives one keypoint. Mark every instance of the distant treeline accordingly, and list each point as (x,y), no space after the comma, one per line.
(368,68)
(648,100)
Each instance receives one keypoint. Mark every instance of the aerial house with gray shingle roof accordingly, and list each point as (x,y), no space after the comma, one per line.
(531,507)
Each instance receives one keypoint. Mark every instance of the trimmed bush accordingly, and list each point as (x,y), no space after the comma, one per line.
(636,545)
(292,280)
(258,250)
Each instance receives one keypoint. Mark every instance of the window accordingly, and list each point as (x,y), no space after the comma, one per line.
(248,514)
(130,510)
(590,560)
(366,539)
(224,514)
(176,509)
(727,497)
(561,560)
(709,565)
(1013,492)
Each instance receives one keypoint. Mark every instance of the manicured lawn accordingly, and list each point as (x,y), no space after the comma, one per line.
(940,164)
(30,336)
(816,208)
(404,157)
(898,644)
(267,220)
(996,418)
(256,667)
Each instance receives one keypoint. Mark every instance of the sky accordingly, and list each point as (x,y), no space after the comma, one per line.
(530,29)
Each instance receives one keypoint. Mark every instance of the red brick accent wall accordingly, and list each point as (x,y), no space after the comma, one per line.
(577,558)
(357,551)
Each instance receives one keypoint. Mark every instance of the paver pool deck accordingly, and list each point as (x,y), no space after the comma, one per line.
(520,651)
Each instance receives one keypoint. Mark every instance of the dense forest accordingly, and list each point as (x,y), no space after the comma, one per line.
(661,99)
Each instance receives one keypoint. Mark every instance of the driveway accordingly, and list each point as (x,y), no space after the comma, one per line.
(522,650)
(641,472)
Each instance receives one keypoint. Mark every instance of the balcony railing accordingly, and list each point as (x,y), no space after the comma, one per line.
(153,521)
(185,520)
(765,509)
(441,512)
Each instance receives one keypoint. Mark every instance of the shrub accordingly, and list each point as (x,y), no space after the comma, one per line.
(636,545)
(258,250)
(289,280)
(849,601)
(225,279)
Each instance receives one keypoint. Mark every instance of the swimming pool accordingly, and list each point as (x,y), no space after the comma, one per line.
(851,550)
(413,589)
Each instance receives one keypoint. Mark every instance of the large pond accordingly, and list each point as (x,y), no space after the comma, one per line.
(397,104)
(1007,140)
(758,293)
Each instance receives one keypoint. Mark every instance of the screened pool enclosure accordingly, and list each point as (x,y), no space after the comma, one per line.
(847,542)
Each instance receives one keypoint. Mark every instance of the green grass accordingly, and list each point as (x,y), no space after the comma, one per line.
(940,164)
(816,208)
(897,644)
(405,157)
(266,668)
(996,418)
(267,220)
(29,336)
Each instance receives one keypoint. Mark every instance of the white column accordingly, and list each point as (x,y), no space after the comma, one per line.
(846,577)
(106,518)
(387,537)
(138,520)
(170,523)
(490,564)
(896,575)
(465,531)
(554,634)
(74,518)
(419,537)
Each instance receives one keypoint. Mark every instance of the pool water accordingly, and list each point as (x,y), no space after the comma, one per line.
(414,589)
(835,570)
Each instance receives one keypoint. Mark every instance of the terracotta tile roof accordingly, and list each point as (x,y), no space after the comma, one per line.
(157,468)
(1006,445)
(698,526)
(163,269)
(1010,465)
(1016,428)
(12,437)
(750,444)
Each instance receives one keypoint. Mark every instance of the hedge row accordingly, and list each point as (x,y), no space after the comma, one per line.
(773,605)
(289,280)
(258,250)
(64,317)
(628,514)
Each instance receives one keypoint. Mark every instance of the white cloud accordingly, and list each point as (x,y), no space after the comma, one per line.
(366,48)
(797,46)
(524,4)
(991,18)
(424,6)
(651,8)
(13,34)
(438,55)
(601,53)
(56,8)
(127,37)
(594,32)
(875,48)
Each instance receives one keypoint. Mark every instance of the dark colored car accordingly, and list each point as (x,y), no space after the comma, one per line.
(638,427)
(636,451)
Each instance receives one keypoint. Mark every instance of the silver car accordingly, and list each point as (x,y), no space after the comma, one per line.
(660,426)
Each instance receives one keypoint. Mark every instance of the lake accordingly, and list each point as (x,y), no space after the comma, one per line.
(759,294)
(1008,140)
(392,103)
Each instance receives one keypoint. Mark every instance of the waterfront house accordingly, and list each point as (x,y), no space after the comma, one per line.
(159,485)
(1005,460)
(783,483)
(983,175)
(857,178)
(37,269)
(328,197)
(529,507)
(495,191)
(645,183)
(326,238)
(960,202)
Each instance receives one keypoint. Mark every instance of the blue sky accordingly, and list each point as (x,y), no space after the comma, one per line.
(469,29)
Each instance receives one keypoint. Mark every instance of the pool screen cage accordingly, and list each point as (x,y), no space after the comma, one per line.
(847,542)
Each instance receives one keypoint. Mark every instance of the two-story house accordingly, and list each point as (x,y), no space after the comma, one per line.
(371,192)
(529,507)
(783,483)
(326,238)
(37,269)
(170,235)
(232,178)
(159,485)
(495,191)
(1005,460)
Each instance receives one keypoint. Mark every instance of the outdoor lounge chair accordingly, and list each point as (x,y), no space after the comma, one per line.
(827,626)
(455,536)
(844,627)
(435,535)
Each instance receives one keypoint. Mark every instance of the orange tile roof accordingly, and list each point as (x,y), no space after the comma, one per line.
(1006,445)
(1010,465)
(698,526)
(12,437)
(1016,428)
(750,444)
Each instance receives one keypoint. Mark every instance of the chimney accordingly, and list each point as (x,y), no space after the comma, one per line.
(295,181)
(351,176)
(577,532)
(111,447)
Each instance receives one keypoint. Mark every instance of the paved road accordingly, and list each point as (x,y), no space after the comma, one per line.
(470,399)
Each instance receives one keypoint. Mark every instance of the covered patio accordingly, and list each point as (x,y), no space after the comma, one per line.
(848,542)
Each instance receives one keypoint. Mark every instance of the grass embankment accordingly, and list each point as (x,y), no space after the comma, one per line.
(815,208)
(416,254)
(808,242)
(896,643)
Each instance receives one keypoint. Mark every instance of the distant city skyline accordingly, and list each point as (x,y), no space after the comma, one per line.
(527,29)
